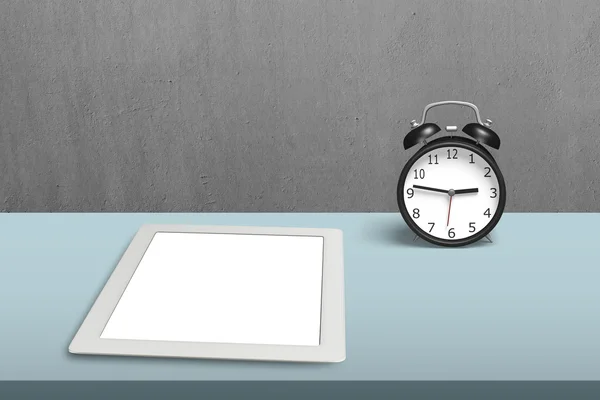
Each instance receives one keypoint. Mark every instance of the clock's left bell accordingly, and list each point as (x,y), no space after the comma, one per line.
(419,134)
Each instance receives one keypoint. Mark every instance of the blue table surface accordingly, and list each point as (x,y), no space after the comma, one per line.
(526,306)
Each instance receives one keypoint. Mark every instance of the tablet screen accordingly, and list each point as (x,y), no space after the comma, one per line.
(224,288)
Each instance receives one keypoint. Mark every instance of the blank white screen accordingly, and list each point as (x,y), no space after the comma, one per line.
(224,288)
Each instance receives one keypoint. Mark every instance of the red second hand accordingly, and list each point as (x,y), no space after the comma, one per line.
(449,206)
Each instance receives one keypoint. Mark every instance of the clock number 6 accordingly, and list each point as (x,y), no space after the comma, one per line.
(451,233)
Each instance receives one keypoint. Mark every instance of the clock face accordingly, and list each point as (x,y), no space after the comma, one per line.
(452,193)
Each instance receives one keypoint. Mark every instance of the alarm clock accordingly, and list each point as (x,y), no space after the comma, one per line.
(451,192)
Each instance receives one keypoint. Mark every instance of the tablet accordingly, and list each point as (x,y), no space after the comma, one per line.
(223,292)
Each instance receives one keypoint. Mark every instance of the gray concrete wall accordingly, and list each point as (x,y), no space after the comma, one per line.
(147,105)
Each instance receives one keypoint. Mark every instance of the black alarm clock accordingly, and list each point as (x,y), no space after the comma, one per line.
(451,192)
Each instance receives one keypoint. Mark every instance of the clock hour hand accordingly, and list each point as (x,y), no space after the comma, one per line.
(430,189)
(465,191)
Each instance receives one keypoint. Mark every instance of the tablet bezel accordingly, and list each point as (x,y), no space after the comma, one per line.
(332,347)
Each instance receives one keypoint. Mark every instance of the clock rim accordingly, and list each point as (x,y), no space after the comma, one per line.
(468,145)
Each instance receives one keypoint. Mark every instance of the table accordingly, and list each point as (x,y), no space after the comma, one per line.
(525,307)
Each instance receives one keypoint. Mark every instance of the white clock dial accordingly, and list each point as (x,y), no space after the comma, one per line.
(461,215)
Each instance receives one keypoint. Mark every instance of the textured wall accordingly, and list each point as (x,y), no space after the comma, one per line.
(147,105)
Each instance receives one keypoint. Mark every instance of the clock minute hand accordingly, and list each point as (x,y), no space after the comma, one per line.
(465,191)
(430,189)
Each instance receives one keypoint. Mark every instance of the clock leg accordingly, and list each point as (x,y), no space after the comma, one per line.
(489,239)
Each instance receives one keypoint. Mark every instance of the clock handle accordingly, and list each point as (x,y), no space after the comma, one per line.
(460,103)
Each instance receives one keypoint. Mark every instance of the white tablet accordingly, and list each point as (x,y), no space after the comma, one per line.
(252,293)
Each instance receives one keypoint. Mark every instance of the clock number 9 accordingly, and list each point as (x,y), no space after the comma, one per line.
(451,233)
(410,192)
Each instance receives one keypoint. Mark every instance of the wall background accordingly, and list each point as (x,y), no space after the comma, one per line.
(148,105)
